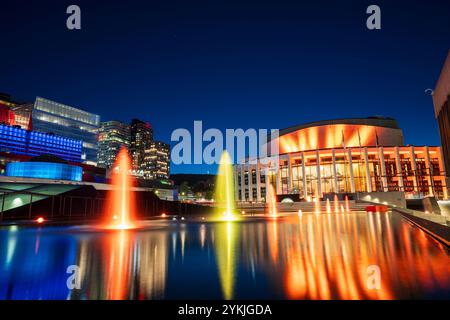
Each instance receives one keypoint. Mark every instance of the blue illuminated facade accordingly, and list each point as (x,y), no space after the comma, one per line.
(44,170)
(19,141)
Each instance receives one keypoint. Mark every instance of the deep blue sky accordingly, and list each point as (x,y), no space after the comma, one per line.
(232,64)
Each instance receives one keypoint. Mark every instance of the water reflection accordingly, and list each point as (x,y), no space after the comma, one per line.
(226,240)
(308,257)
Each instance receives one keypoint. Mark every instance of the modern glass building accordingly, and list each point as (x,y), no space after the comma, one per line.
(19,141)
(69,122)
(343,156)
(157,161)
(44,170)
(141,135)
(112,136)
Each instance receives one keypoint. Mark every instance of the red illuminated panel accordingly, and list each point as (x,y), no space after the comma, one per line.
(336,135)
(6,115)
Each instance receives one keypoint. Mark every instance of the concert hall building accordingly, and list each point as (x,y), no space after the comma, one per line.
(344,156)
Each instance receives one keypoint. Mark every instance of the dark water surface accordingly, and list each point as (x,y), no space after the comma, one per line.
(328,256)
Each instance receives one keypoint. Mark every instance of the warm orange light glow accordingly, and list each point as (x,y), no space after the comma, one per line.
(336,203)
(272,202)
(317,204)
(347,205)
(40,220)
(331,136)
(120,203)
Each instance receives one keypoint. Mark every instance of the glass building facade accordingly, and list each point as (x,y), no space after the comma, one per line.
(141,135)
(344,167)
(157,161)
(66,121)
(44,170)
(19,141)
(112,136)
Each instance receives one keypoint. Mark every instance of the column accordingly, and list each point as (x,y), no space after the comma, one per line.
(350,164)
(368,179)
(442,173)
(278,178)
(398,164)
(267,174)
(305,188)
(289,174)
(250,182)
(335,181)
(429,172)
(258,180)
(236,184)
(319,182)
(242,183)
(383,170)
(414,167)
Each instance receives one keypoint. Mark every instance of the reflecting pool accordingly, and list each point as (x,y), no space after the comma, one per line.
(326,256)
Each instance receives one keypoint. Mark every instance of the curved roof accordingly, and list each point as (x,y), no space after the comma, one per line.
(376,121)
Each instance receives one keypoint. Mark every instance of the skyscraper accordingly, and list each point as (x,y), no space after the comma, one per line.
(69,122)
(112,136)
(141,135)
(157,161)
(441,101)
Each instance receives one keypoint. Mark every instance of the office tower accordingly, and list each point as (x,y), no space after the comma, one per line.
(157,161)
(141,135)
(112,136)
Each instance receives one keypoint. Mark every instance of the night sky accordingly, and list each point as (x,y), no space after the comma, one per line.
(232,64)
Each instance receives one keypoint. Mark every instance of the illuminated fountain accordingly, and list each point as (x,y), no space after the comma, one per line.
(225,188)
(120,202)
(272,202)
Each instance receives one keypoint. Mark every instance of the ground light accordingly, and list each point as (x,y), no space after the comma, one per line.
(40,220)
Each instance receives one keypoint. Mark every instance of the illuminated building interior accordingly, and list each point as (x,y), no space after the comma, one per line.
(15,113)
(344,156)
